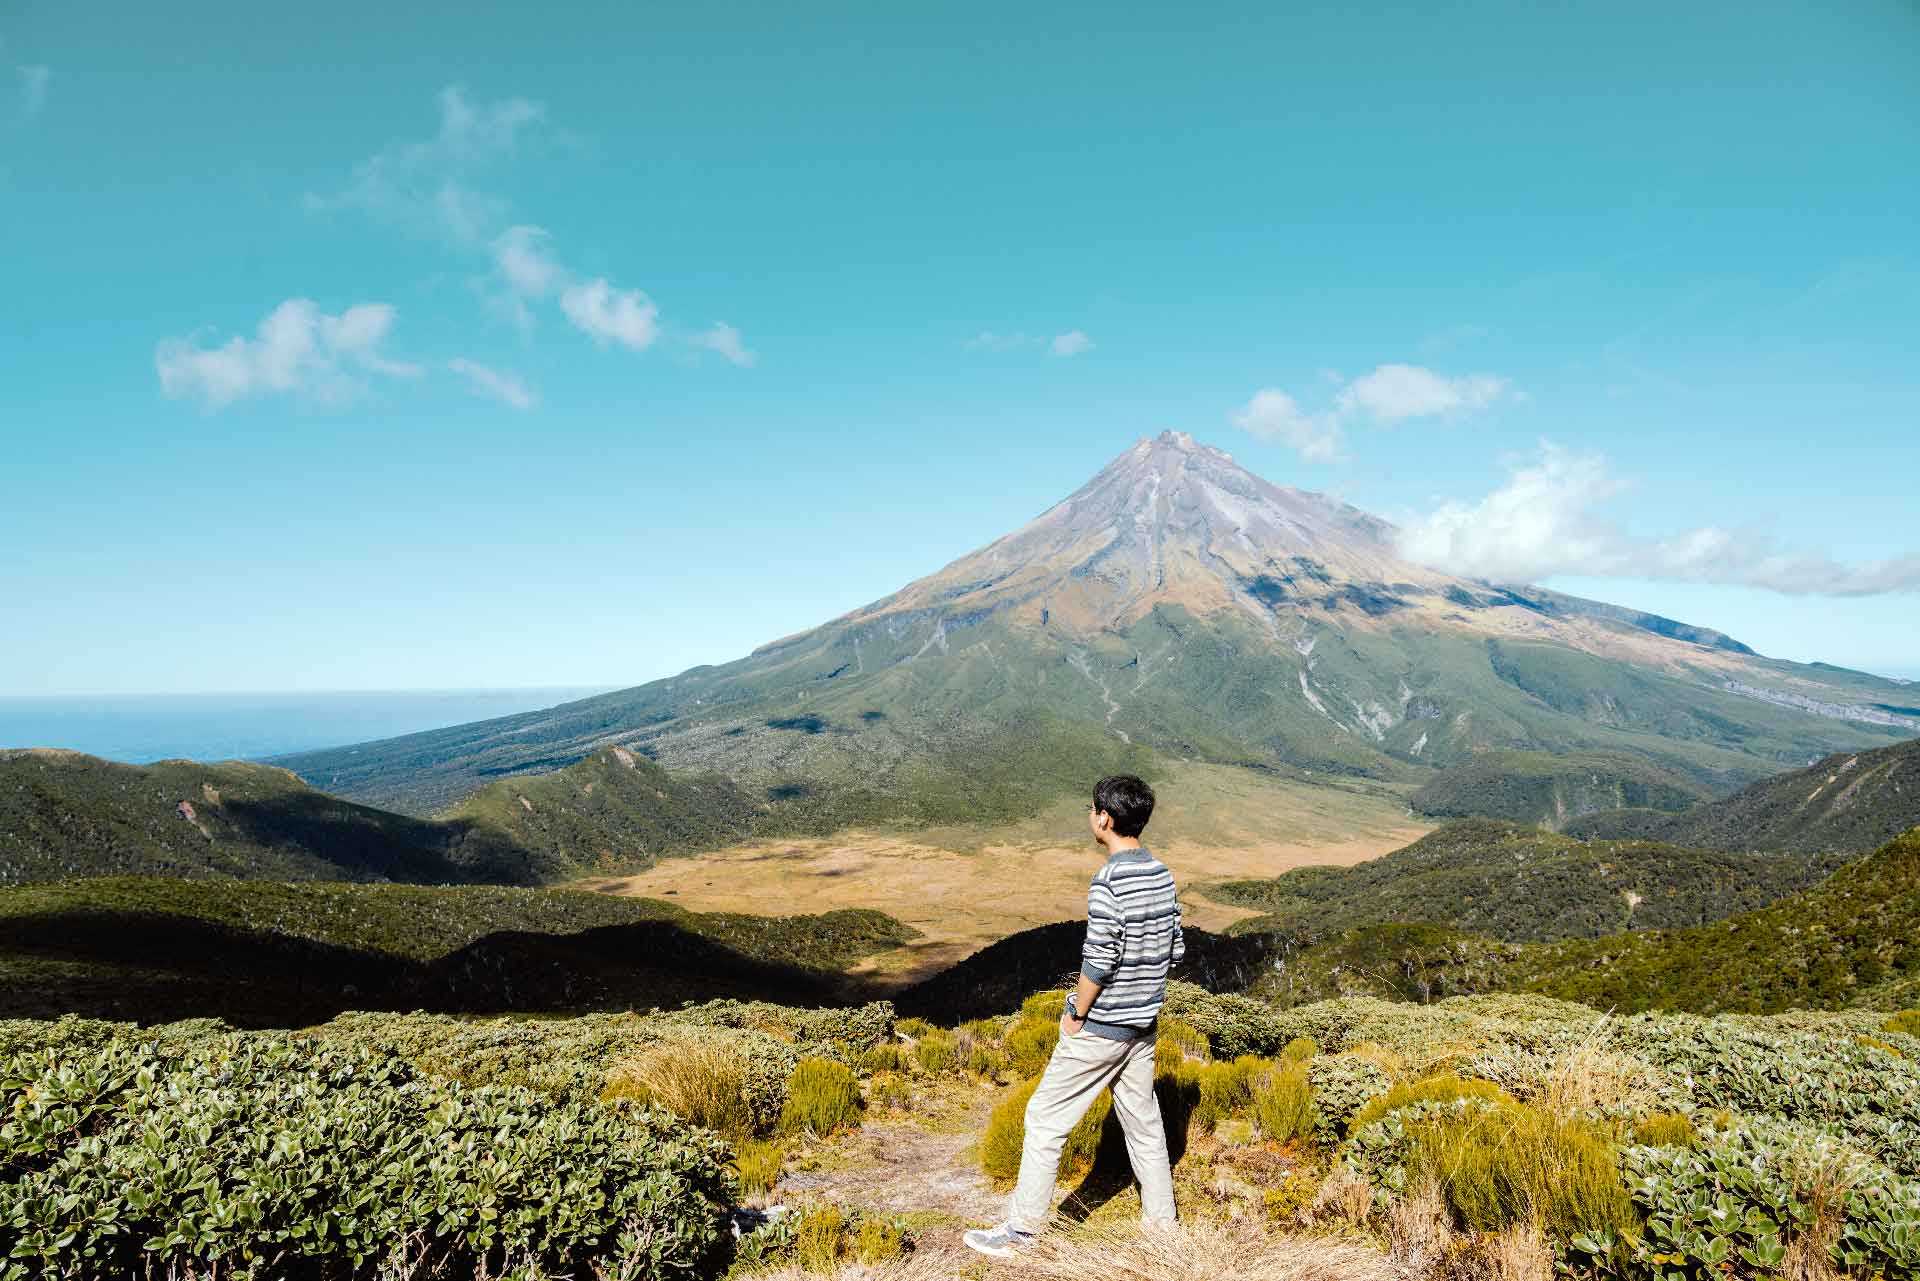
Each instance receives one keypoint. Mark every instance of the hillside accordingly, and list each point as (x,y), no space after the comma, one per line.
(1539,788)
(1176,606)
(280,955)
(65,814)
(1520,884)
(1848,801)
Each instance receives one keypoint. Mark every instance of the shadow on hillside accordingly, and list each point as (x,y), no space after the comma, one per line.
(998,977)
(364,844)
(154,967)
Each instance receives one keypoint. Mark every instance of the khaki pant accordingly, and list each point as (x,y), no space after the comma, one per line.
(1081,1067)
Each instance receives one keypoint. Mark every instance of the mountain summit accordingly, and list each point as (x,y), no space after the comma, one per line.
(1176,607)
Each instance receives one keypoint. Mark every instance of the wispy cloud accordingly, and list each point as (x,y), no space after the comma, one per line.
(296,349)
(33,88)
(725,340)
(1071,343)
(427,184)
(1546,520)
(1274,415)
(1388,395)
(608,315)
(505,387)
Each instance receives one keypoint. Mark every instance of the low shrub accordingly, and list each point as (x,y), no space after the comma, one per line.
(1293,1193)
(1178,1040)
(1282,1102)
(757,1163)
(914,1029)
(822,1097)
(1906,1023)
(1226,1089)
(888,1056)
(1006,1133)
(936,1051)
(820,1235)
(1030,1042)
(254,1156)
(988,1059)
(1300,1049)
(877,1240)
(700,1083)
(889,1090)
(1049,1005)
(1666,1130)
(1341,1085)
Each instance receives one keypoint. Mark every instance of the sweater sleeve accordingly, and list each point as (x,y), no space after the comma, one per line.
(1106,931)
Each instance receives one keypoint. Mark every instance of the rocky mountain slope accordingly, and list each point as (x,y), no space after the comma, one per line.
(1849,801)
(1176,605)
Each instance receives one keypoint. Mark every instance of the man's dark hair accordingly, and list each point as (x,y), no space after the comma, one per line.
(1126,800)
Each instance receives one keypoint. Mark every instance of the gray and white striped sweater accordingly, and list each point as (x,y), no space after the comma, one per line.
(1133,939)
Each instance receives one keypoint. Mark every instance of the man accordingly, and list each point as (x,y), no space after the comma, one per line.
(1107,1032)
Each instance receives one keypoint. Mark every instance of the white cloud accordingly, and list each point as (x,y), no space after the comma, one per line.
(497,383)
(1394,393)
(297,348)
(725,339)
(606,314)
(426,183)
(1545,521)
(521,255)
(1389,394)
(33,88)
(1274,415)
(1071,343)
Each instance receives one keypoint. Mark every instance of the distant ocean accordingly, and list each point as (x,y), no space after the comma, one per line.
(218,727)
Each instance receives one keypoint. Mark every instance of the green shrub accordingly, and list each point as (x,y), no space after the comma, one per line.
(1050,1006)
(1226,1089)
(936,1051)
(820,1235)
(822,1097)
(1178,1040)
(889,1090)
(914,1028)
(1282,1102)
(877,1240)
(229,1151)
(757,1162)
(1666,1130)
(888,1056)
(1006,1132)
(988,1059)
(1300,1049)
(1030,1043)
(1342,1085)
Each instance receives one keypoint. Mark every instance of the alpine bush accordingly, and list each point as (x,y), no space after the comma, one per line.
(822,1097)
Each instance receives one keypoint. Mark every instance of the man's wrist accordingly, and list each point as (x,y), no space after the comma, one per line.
(1073,1007)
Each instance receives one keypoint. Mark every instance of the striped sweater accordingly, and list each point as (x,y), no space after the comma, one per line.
(1133,939)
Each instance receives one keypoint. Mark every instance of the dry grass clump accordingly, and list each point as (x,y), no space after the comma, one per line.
(1282,1102)
(1519,1163)
(1822,1177)
(702,1083)
(1519,1253)
(822,1097)
(1419,1229)
(1198,1251)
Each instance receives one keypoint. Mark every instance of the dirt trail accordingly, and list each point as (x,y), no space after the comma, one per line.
(898,1167)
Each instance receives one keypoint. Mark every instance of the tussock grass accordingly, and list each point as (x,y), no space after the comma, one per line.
(758,1163)
(698,1082)
(822,1097)
(1518,1163)
(1666,1130)
(1198,1251)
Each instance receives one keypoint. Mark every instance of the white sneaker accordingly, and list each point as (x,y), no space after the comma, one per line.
(1002,1242)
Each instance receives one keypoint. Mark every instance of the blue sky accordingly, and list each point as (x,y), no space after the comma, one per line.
(453,346)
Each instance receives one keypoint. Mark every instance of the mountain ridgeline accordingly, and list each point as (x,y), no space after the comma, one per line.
(1175,607)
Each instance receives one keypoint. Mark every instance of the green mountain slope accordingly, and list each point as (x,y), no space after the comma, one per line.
(1535,787)
(1848,801)
(1522,884)
(1853,940)
(1175,606)
(284,954)
(66,814)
